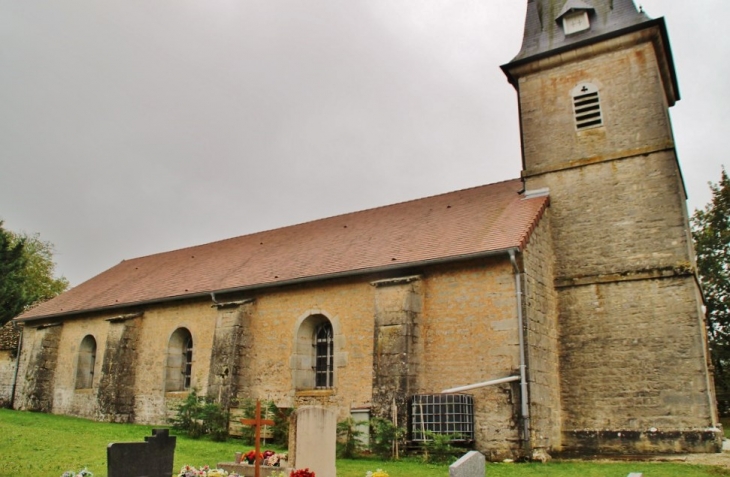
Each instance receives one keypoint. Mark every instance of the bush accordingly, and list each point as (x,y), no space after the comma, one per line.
(348,438)
(383,435)
(438,449)
(198,416)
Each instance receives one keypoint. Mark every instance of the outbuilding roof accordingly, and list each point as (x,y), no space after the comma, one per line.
(452,226)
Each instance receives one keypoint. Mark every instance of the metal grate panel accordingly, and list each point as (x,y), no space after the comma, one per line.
(442,414)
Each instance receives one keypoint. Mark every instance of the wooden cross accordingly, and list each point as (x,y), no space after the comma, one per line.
(257,422)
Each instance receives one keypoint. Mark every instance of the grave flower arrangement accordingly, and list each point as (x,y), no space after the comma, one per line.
(205,471)
(377,473)
(268,458)
(81,473)
(301,473)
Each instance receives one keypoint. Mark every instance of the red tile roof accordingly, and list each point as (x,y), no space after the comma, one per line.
(468,222)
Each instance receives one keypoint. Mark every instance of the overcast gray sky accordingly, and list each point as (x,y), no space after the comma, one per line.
(134,127)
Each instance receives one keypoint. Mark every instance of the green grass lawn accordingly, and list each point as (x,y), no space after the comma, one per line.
(44,445)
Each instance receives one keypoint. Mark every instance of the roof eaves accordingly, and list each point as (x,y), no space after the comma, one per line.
(282,283)
(659,22)
(533,225)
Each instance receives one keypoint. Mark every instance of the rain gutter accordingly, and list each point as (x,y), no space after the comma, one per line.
(524,396)
(17,367)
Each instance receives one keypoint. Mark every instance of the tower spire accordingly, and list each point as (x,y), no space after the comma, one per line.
(546,21)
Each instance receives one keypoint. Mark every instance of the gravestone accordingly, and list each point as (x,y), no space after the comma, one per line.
(316,440)
(152,458)
(471,464)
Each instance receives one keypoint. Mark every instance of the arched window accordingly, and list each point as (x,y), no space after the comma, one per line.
(324,356)
(586,106)
(314,360)
(85,363)
(179,367)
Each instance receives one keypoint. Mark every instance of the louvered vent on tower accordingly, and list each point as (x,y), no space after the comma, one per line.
(587,106)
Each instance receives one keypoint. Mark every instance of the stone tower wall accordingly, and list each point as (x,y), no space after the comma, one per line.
(542,333)
(628,299)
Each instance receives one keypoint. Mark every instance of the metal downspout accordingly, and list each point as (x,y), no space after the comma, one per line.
(524,398)
(17,367)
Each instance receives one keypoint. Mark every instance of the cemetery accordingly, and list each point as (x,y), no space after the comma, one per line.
(58,444)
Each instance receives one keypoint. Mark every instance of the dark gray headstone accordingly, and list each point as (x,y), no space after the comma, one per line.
(152,458)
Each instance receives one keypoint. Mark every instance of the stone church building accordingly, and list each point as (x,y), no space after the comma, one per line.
(560,310)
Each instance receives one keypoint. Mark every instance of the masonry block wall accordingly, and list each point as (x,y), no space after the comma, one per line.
(9,338)
(153,404)
(36,367)
(67,399)
(227,362)
(116,396)
(624,263)
(646,328)
(455,323)
(542,338)
(398,344)
(7,376)
(470,335)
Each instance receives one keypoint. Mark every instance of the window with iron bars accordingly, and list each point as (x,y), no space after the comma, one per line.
(323,356)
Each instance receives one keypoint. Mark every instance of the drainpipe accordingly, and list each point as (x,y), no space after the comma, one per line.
(524,398)
(17,367)
(469,387)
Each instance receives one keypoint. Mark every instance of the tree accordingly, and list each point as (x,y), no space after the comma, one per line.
(12,263)
(711,234)
(26,273)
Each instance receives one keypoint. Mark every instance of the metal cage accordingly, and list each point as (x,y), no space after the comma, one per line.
(442,414)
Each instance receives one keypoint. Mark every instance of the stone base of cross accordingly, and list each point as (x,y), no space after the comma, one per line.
(257,422)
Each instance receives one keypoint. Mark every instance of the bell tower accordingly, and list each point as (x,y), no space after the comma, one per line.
(595,80)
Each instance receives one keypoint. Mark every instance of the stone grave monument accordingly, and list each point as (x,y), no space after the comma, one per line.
(152,458)
(471,464)
(315,440)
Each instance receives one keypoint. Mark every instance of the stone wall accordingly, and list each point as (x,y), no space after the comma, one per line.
(398,345)
(119,369)
(633,209)
(628,299)
(470,335)
(627,73)
(9,337)
(542,334)
(7,376)
(35,388)
(229,368)
(644,329)
(152,404)
(456,323)
(66,398)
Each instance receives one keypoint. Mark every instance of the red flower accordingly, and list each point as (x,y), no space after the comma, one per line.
(301,473)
